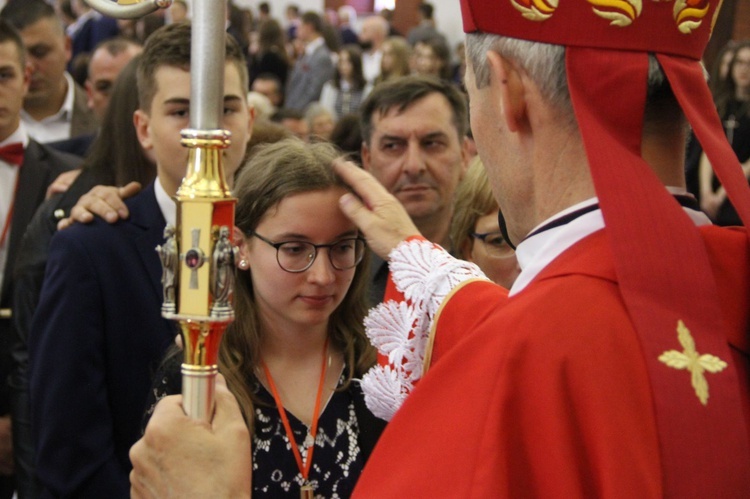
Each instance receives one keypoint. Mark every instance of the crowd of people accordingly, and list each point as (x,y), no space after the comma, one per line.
(530,318)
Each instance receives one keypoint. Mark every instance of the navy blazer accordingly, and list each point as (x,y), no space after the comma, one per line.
(95,340)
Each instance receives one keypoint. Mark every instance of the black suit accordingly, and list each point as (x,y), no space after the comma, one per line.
(41,165)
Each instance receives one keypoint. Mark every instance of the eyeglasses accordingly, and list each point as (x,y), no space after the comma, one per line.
(298,256)
(495,243)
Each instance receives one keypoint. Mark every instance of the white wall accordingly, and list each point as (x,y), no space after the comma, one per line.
(448,20)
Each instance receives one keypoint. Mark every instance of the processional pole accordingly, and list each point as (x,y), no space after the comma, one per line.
(198,256)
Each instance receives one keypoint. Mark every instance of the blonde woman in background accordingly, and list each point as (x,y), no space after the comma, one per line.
(395,62)
(475,231)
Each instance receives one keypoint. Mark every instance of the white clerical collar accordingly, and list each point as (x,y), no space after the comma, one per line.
(537,251)
(166,204)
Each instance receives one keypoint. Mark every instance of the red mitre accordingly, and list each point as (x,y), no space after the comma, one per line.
(661,260)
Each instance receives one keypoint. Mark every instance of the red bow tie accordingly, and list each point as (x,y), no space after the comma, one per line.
(12,153)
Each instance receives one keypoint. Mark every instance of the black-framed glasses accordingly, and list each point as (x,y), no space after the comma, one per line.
(298,256)
(495,243)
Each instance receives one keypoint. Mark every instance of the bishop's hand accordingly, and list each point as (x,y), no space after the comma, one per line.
(380,216)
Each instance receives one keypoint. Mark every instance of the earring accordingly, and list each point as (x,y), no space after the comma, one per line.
(243,264)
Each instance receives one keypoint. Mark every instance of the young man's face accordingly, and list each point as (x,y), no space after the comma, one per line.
(14,83)
(159,129)
(103,71)
(48,52)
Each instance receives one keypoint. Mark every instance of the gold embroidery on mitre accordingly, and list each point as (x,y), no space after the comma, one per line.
(690,360)
(535,10)
(688,15)
(620,12)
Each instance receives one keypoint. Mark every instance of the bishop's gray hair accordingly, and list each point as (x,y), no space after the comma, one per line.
(544,63)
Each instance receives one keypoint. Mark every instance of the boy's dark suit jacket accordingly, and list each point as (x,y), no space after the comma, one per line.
(95,340)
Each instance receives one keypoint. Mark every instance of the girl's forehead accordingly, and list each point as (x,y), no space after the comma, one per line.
(305,206)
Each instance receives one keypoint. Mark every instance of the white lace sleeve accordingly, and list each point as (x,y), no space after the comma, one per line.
(424,273)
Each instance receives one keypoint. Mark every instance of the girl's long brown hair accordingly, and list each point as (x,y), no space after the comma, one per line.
(275,172)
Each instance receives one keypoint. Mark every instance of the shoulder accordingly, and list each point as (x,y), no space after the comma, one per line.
(322,53)
(77,146)
(79,93)
(144,201)
(98,234)
(57,160)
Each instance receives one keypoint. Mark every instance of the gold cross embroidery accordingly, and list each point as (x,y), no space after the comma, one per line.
(690,359)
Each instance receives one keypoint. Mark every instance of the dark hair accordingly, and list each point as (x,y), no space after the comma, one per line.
(275,172)
(355,59)
(264,132)
(79,68)
(426,10)
(727,89)
(271,38)
(116,46)
(268,76)
(313,20)
(264,8)
(287,113)
(440,50)
(170,46)
(714,77)
(116,154)
(241,21)
(10,34)
(331,36)
(347,136)
(403,92)
(67,9)
(23,13)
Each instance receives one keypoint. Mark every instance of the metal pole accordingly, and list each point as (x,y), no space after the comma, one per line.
(201,259)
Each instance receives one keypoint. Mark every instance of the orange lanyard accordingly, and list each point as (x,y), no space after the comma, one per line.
(303,469)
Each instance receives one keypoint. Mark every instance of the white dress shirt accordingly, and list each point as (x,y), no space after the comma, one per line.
(57,126)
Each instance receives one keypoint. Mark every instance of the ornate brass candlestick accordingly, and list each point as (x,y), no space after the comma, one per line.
(198,256)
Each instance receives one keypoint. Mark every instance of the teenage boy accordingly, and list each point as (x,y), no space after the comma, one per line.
(98,332)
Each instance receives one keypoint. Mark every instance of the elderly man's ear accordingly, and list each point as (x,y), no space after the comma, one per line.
(508,89)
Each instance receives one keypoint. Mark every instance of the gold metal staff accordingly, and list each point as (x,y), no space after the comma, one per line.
(198,256)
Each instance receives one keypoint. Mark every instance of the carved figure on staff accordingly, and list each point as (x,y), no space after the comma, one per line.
(222,281)
(170,262)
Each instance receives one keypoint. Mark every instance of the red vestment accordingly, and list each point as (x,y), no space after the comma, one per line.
(546,393)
